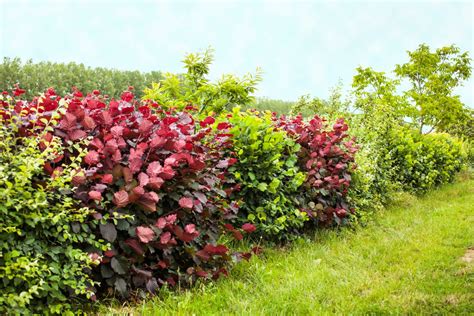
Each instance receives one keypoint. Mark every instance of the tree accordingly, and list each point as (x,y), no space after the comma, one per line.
(37,77)
(193,87)
(332,108)
(433,76)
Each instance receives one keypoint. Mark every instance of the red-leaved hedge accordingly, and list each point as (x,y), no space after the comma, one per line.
(327,158)
(155,180)
(158,183)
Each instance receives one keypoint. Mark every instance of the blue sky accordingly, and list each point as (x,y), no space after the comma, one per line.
(302,46)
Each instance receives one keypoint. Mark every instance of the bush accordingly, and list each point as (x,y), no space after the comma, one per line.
(46,238)
(267,173)
(155,181)
(327,161)
(421,162)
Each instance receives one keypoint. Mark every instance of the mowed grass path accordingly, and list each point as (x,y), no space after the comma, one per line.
(407,261)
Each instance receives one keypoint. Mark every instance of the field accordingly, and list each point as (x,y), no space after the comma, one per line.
(413,258)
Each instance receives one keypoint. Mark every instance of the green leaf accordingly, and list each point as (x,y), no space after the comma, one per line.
(262,186)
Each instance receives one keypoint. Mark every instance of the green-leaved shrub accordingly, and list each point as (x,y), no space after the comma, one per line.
(268,174)
(43,235)
(421,162)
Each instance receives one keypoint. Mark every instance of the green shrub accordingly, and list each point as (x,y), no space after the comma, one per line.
(43,267)
(421,162)
(267,172)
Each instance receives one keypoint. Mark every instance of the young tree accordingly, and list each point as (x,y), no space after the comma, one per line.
(193,87)
(433,76)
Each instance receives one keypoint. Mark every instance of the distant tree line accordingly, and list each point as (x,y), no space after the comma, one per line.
(37,77)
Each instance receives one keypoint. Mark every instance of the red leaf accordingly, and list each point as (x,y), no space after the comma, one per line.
(249,228)
(138,191)
(157,142)
(117,131)
(135,245)
(97,143)
(95,195)
(135,164)
(143,179)
(216,274)
(165,238)
(109,253)
(197,165)
(17,92)
(107,178)
(78,180)
(145,126)
(203,255)
(190,228)
(237,235)
(186,202)
(161,223)
(208,120)
(229,227)
(162,264)
(148,201)
(77,93)
(111,146)
(154,168)
(216,250)
(127,96)
(106,118)
(92,158)
(202,274)
(120,198)
(167,173)
(171,219)
(88,122)
(145,234)
(77,134)
(257,250)
(155,183)
(223,125)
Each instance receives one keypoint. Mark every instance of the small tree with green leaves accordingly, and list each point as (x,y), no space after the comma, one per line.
(193,87)
(433,76)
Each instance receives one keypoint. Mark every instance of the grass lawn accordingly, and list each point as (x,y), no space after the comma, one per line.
(412,259)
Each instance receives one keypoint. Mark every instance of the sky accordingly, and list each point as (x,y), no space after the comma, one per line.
(303,47)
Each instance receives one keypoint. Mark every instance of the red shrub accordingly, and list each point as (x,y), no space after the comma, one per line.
(154,179)
(328,162)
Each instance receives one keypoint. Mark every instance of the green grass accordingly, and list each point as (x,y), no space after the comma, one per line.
(407,261)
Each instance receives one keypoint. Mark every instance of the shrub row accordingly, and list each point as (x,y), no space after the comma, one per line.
(421,162)
(159,195)
(400,158)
